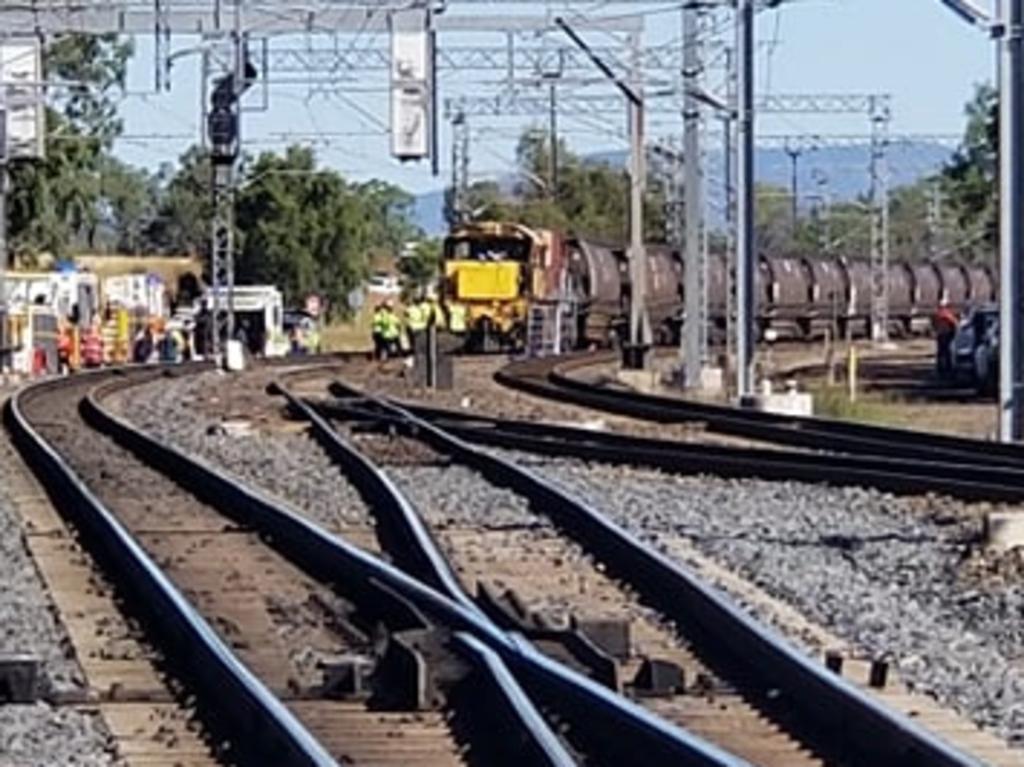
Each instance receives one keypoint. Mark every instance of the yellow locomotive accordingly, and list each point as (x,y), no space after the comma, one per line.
(496,271)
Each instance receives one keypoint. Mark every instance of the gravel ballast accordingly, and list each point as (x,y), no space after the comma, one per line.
(41,736)
(890,576)
(38,734)
(885,574)
(288,465)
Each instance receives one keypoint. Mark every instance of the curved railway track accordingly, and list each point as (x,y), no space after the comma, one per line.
(554,378)
(218,570)
(245,629)
(740,671)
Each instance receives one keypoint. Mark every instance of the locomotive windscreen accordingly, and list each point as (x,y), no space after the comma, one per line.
(487,249)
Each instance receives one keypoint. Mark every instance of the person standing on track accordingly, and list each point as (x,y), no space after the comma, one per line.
(391,332)
(417,315)
(945,324)
(377,328)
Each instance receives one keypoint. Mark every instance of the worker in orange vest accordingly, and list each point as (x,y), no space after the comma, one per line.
(945,324)
(64,348)
(92,346)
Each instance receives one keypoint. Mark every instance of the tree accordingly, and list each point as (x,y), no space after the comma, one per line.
(57,202)
(306,230)
(591,197)
(970,179)
(421,267)
(181,225)
(130,199)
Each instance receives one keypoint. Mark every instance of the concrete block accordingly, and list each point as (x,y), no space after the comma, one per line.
(646,381)
(712,380)
(1004,530)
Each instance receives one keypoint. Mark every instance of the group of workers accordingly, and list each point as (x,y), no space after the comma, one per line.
(419,317)
(103,343)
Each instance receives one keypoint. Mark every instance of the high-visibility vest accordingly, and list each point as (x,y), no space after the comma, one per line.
(392,329)
(416,318)
(456,318)
(380,322)
(435,314)
(92,348)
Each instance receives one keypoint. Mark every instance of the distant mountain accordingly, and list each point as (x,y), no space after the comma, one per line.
(844,168)
(428,212)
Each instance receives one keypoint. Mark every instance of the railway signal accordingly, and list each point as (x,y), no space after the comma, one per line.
(224,132)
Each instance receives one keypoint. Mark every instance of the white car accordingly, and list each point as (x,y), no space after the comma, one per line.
(384,284)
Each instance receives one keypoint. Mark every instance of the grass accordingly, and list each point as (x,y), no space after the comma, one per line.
(350,336)
(869,407)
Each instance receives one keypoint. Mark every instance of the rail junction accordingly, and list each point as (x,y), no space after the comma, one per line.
(379,636)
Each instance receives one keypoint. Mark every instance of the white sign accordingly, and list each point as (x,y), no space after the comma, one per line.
(410,84)
(21,73)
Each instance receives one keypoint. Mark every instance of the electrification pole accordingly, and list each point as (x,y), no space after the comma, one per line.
(225,146)
(1011,210)
(637,352)
(693,205)
(1006,28)
(746,245)
(794,153)
(638,356)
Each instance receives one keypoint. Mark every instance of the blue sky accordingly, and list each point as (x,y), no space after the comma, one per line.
(915,49)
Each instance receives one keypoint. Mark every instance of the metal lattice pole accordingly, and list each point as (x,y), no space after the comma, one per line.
(879,225)
(693,203)
(460,168)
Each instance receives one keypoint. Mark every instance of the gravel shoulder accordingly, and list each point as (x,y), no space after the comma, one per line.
(899,578)
(894,577)
(39,734)
(201,415)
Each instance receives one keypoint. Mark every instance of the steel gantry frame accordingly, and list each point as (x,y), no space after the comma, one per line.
(236,22)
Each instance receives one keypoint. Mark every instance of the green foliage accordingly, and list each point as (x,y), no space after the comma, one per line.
(970,179)
(422,266)
(181,225)
(306,230)
(57,203)
(589,198)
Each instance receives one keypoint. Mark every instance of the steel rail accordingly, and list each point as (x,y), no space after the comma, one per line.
(551,380)
(897,475)
(624,726)
(844,716)
(257,719)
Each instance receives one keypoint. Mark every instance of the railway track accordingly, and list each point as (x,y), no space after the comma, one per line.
(554,378)
(278,659)
(562,554)
(301,724)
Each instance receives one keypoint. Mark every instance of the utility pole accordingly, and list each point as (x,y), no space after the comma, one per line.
(746,245)
(637,352)
(1006,28)
(553,134)
(694,207)
(223,126)
(638,356)
(879,225)
(794,153)
(1011,239)
(460,169)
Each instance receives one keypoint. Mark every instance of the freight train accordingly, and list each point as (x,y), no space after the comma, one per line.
(499,270)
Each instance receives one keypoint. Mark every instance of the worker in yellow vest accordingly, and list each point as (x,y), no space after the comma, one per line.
(457,319)
(391,331)
(416,319)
